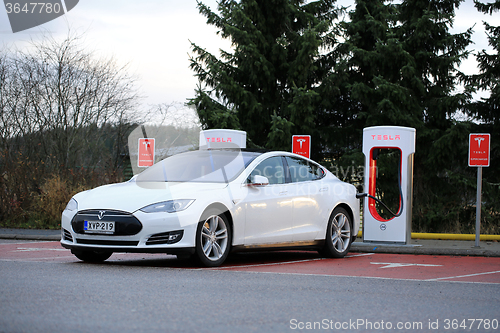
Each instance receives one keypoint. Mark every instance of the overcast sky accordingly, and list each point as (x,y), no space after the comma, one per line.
(153,37)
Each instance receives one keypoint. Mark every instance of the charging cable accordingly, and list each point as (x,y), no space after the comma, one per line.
(362,195)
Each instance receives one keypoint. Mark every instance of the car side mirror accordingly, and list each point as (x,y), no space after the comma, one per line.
(259,180)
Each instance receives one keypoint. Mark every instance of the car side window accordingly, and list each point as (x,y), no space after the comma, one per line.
(271,168)
(302,170)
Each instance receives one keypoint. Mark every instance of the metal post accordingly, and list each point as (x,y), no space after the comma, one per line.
(478,204)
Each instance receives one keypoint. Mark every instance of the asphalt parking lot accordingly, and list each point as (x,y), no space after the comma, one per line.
(46,289)
(368,264)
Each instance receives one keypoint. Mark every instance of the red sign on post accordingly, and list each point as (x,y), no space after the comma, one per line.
(301,145)
(479,150)
(146,152)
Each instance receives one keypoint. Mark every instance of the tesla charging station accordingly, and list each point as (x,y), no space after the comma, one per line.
(398,228)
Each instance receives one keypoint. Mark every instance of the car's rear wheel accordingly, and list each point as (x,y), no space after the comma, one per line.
(91,256)
(338,234)
(213,238)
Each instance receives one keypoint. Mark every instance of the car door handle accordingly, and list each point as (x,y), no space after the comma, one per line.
(324,189)
(283,192)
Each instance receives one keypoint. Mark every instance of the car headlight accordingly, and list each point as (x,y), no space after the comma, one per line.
(72,205)
(170,206)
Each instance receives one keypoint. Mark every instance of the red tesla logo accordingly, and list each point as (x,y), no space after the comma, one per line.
(219,140)
(383,137)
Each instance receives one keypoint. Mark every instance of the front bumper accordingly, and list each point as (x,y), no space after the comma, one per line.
(159,233)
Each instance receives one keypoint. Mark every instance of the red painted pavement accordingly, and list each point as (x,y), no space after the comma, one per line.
(379,265)
(391,266)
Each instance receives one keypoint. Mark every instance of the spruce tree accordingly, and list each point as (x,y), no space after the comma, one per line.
(370,76)
(486,113)
(375,68)
(440,165)
(487,109)
(402,69)
(268,84)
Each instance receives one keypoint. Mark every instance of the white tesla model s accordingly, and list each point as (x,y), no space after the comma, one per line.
(207,203)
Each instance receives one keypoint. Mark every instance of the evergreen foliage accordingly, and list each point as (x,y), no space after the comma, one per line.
(268,84)
(486,111)
(441,141)
(401,63)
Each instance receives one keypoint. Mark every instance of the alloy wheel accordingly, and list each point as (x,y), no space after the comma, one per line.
(341,232)
(214,238)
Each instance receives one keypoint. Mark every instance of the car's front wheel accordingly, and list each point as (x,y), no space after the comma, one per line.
(213,238)
(91,256)
(338,234)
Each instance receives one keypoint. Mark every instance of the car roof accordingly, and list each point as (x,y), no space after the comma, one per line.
(258,152)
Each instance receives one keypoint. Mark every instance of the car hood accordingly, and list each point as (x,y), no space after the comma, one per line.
(131,196)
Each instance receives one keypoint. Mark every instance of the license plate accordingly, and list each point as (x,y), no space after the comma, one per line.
(99,227)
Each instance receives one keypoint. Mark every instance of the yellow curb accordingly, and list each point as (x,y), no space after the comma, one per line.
(421,235)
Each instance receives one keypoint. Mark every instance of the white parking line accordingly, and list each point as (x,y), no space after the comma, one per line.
(270,264)
(359,255)
(362,277)
(285,262)
(462,276)
(37,259)
(29,249)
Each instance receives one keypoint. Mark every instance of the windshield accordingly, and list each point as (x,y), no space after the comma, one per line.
(206,166)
